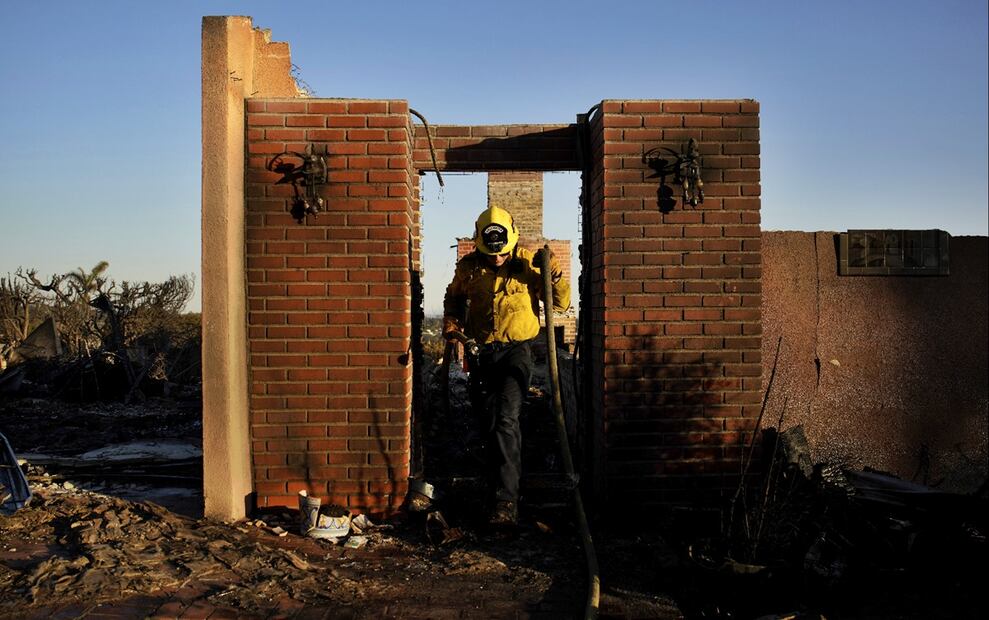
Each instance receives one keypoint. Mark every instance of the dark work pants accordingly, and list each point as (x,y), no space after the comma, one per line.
(498,389)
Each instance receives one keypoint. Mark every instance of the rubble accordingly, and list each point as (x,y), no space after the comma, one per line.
(43,343)
(846,539)
(79,545)
(91,540)
(100,547)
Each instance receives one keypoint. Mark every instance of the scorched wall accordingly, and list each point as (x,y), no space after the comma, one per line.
(329,300)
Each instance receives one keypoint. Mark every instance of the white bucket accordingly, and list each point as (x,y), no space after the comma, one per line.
(315,525)
(308,512)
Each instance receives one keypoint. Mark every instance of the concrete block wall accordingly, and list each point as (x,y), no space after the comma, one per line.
(675,302)
(329,299)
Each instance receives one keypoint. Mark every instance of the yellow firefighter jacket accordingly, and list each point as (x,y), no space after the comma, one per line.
(500,304)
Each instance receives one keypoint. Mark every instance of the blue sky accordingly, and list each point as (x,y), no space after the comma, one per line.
(874,113)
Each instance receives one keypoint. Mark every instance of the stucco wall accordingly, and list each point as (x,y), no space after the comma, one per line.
(903,369)
(237,60)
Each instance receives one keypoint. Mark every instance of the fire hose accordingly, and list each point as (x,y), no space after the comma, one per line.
(593,576)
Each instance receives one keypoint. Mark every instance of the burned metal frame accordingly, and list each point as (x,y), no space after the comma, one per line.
(15,493)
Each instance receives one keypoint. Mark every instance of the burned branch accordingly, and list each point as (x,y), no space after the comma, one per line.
(117,336)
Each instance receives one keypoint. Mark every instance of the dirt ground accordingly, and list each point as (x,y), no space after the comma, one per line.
(73,551)
(120,533)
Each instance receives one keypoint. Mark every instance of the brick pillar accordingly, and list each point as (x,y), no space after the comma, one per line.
(330,305)
(675,343)
(521,194)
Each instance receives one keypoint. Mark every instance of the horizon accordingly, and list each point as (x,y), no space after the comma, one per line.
(873,121)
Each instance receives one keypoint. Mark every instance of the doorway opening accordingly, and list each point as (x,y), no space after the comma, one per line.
(448,441)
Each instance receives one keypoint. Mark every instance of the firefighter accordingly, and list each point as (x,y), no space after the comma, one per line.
(493,299)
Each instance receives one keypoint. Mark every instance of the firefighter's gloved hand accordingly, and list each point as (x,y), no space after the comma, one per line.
(452,329)
(554,266)
(470,345)
(541,256)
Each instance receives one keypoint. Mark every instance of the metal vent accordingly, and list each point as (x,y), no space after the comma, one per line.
(893,253)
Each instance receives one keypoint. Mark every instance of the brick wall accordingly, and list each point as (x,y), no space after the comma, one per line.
(675,301)
(674,350)
(592,305)
(482,148)
(521,194)
(330,304)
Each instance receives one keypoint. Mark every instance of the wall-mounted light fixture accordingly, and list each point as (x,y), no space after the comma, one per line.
(685,168)
(309,174)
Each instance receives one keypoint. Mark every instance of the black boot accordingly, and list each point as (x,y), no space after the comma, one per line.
(504,513)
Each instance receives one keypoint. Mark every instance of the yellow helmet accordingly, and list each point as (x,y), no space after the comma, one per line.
(495,232)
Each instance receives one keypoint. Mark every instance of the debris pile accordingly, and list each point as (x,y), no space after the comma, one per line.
(98,547)
(808,532)
(73,545)
(82,336)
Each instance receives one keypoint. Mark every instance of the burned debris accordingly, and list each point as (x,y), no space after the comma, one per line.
(80,545)
(97,547)
(834,539)
(81,336)
(15,493)
(78,353)
(79,551)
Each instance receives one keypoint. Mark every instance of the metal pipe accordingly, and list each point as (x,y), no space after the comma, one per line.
(429,139)
(593,577)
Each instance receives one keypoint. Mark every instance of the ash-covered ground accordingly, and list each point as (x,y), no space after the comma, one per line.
(115,526)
